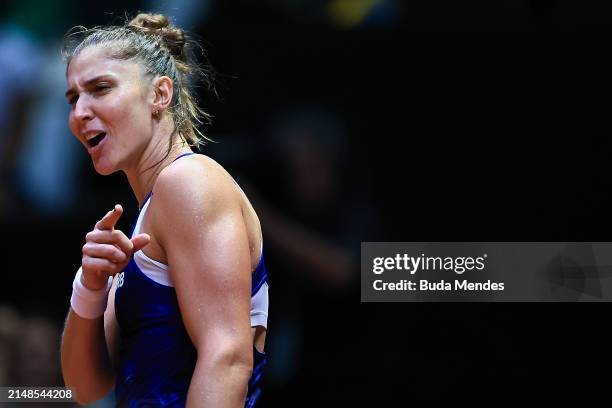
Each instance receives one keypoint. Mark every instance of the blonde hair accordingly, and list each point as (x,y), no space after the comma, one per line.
(161,49)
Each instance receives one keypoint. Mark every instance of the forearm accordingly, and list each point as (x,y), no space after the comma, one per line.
(220,384)
(86,365)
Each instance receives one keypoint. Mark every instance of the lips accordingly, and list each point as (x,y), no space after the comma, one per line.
(93,142)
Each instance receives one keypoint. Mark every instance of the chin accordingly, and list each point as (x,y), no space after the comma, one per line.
(104,168)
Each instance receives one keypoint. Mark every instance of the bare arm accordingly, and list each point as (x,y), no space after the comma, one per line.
(86,364)
(198,221)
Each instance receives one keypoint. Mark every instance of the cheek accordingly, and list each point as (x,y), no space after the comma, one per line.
(124,113)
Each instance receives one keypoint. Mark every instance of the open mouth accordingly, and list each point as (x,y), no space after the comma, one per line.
(93,142)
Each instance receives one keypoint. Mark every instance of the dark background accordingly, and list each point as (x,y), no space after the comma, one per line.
(478,120)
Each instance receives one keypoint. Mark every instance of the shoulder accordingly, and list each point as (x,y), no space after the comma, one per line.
(196,218)
(198,184)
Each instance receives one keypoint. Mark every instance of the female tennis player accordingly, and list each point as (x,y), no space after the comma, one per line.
(176,314)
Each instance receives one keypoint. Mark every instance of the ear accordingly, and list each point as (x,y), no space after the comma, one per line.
(163,89)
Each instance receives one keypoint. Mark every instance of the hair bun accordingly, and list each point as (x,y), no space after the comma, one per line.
(159,25)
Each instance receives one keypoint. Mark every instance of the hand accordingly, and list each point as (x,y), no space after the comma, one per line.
(107,251)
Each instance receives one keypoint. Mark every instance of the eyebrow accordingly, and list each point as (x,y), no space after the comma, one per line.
(71,91)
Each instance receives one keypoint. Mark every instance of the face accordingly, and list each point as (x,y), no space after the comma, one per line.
(111,109)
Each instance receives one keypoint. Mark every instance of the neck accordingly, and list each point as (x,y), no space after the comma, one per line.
(154,159)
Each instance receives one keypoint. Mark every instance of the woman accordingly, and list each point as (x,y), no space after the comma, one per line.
(183,321)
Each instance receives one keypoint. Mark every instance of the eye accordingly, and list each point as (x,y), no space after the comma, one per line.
(102,88)
(73,99)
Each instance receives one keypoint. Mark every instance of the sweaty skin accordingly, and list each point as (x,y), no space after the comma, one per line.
(199,222)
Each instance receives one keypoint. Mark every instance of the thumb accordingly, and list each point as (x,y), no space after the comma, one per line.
(140,241)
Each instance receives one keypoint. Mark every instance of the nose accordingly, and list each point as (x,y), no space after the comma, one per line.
(82,109)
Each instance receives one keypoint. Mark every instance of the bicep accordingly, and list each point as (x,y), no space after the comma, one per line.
(208,253)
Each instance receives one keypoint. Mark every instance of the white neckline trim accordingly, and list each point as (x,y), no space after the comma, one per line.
(154,270)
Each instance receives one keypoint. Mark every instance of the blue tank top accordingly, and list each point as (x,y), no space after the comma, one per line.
(156,357)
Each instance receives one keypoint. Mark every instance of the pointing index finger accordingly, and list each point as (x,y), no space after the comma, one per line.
(110,219)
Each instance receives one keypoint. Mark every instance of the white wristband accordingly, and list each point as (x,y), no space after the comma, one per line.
(87,303)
